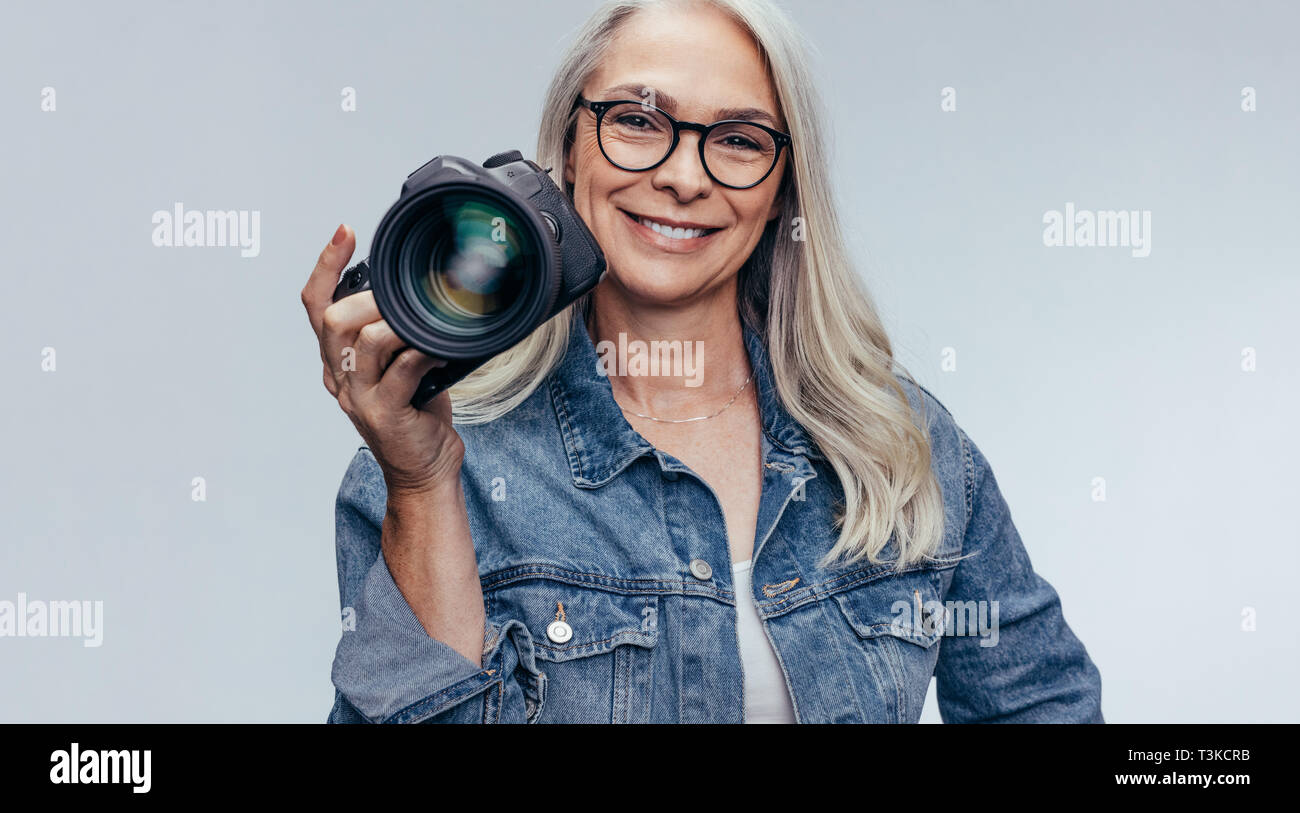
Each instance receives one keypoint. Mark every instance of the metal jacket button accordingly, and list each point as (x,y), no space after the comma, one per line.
(559,631)
(700,569)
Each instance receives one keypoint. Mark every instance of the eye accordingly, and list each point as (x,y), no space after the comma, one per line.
(634,122)
(739,142)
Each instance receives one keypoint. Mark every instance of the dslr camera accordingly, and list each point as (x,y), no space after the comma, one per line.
(472,259)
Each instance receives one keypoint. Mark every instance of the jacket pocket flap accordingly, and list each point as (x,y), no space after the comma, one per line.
(569,621)
(906,606)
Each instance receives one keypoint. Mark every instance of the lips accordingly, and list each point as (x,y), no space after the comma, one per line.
(669,232)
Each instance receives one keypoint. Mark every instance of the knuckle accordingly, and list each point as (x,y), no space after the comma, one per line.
(410,358)
(332,318)
(372,334)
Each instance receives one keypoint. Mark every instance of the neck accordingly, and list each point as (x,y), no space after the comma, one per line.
(670,360)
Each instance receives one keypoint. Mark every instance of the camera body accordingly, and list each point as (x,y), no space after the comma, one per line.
(440,221)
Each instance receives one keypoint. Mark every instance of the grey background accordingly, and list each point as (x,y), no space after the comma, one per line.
(1072,362)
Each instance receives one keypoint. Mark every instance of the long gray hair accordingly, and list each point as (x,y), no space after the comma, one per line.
(831,359)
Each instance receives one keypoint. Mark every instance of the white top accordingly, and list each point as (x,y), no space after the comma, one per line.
(767,700)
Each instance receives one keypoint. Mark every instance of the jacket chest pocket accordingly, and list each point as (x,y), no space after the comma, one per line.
(895,622)
(595,647)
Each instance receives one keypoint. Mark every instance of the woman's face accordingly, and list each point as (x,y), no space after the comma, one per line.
(697,63)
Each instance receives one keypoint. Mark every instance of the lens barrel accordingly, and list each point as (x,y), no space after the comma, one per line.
(462,270)
(471,259)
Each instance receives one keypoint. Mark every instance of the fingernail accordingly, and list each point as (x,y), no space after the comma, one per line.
(339,235)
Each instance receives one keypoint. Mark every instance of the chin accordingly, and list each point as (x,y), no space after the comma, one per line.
(655,286)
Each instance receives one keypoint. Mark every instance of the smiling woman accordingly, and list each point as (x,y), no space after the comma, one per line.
(559,539)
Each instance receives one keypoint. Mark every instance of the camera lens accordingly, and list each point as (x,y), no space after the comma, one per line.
(464,269)
(468,261)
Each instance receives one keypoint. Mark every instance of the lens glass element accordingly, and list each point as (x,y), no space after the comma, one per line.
(470,260)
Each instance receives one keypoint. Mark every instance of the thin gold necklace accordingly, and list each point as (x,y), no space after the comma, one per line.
(690,420)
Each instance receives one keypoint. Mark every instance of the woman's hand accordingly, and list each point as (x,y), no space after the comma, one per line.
(426,541)
(374,375)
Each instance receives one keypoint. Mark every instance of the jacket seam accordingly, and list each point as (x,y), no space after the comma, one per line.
(632,588)
(814,592)
(440,700)
(969,465)
(629,635)
(560,404)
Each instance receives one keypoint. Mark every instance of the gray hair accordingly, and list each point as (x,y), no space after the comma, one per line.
(831,359)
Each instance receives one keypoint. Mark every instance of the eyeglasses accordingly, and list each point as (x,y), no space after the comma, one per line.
(636,136)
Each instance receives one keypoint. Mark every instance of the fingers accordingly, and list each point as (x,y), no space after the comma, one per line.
(357,346)
(402,378)
(341,323)
(375,347)
(318,293)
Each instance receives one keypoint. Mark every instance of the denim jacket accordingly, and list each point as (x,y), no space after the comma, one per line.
(578,519)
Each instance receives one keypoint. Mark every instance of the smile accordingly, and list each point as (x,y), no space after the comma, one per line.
(667,236)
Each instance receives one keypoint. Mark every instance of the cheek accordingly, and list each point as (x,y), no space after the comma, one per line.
(598,184)
(587,157)
(753,215)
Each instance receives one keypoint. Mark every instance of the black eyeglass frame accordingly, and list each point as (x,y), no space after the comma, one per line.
(599,109)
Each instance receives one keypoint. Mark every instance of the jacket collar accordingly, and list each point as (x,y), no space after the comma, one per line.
(601,443)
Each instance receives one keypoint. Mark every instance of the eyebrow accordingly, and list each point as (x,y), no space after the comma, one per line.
(667,102)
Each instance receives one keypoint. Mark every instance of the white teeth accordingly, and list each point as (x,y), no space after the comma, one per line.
(670,232)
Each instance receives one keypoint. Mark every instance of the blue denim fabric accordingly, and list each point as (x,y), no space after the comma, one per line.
(594,525)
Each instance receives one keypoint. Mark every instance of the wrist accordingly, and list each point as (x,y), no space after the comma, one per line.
(408,497)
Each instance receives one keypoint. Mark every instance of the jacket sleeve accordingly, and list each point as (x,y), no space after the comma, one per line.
(1036,670)
(387,669)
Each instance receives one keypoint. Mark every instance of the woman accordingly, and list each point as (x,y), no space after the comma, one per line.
(788,536)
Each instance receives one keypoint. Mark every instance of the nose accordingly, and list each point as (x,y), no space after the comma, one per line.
(683,173)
